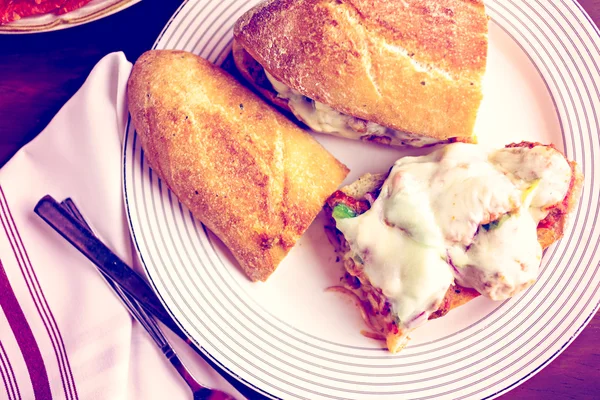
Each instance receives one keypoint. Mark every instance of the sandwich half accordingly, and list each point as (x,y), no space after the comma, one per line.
(395,72)
(441,229)
(253,177)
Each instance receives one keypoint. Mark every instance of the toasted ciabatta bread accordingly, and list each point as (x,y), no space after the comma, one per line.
(356,195)
(414,66)
(254,74)
(250,175)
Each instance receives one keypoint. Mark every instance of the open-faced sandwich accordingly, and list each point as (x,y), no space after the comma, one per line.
(439,230)
(394,72)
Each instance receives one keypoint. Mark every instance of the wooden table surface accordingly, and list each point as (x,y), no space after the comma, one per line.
(40,72)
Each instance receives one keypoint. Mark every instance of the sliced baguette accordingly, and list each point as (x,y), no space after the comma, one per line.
(415,66)
(250,175)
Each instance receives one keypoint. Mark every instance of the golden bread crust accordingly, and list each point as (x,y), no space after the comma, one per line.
(552,228)
(254,74)
(413,65)
(250,175)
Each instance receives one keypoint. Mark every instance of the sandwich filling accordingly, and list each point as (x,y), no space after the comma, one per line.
(459,214)
(321,118)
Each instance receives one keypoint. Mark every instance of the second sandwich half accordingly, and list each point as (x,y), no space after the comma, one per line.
(403,73)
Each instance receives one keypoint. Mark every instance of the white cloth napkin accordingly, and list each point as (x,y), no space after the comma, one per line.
(63,333)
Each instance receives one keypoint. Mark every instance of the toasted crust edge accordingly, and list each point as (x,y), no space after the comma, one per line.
(171,98)
(321,48)
(254,74)
(251,71)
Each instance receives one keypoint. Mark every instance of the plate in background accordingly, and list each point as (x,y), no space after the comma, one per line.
(92,11)
(287,338)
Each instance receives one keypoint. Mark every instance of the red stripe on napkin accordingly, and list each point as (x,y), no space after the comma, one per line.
(38,297)
(6,387)
(24,337)
(10,375)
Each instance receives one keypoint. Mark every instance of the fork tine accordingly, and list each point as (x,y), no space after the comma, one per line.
(69,204)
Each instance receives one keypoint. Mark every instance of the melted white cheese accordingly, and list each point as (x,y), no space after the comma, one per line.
(413,275)
(463,187)
(504,261)
(321,118)
(541,164)
(430,225)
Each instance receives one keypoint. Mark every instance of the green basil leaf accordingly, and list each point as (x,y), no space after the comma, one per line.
(342,211)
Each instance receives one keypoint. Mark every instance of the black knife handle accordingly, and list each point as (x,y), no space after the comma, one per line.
(89,245)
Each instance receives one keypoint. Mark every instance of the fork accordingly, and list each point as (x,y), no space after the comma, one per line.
(147,321)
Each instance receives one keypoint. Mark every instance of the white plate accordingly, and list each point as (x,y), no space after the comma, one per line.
(289,339)
(92,11)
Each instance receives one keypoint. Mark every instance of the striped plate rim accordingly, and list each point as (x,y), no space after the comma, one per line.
(483,360)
